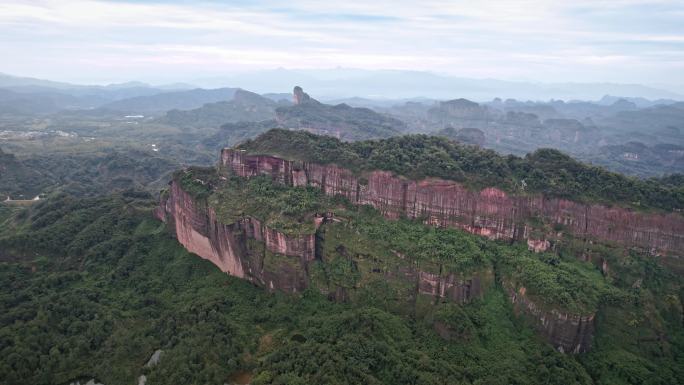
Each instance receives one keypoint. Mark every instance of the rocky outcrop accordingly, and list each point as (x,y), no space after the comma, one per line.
(341,121)
(197,228)
(452,286)
(460,113)
(567,332)
(249,249)
(538,245)
(253,251)
(300,96)
(489,212)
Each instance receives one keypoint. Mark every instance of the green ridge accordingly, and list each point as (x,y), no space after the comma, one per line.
(545,171)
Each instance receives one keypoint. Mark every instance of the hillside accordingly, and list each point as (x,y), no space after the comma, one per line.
(111,288)
(581,128)
(86,173)
(162,102)
(464,135)
(342,121)
(244,107)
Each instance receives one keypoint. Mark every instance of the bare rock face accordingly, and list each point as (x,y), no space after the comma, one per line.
(568,333)
(453,286)
(227,245)
(155,358)
(251,250)
(489,212)
(300,96)
(538,245)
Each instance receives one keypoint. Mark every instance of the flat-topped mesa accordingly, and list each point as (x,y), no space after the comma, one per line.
(331,256)
(490,212)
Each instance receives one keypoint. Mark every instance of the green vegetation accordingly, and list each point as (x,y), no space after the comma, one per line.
(289,210)
(563,284)
(451,248)
(86,173)
(95,286)
(98,301)
(417,156)
(230,134)
(363,235)
(349,122)
(245,107)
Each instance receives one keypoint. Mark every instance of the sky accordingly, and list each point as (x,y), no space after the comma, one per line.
(95,41)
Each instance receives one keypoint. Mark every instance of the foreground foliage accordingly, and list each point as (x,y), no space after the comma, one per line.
(91,287)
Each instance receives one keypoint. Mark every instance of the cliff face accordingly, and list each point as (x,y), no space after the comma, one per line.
(489,212)
(228,246)
(452,287)
(569,333)
(251,250)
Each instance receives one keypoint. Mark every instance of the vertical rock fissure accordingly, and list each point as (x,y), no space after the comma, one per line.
(319,240)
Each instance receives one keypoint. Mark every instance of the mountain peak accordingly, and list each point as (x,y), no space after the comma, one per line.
(300,96)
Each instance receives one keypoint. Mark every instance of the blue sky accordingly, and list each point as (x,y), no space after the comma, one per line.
(623,41)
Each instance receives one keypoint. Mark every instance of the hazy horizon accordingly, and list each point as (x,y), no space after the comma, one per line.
(99,42)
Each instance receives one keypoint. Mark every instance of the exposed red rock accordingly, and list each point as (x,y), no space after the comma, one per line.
(489,212)
(300,96)
(538,245)
(227,246)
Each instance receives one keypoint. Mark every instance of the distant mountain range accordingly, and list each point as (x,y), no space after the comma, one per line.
(365,87)
(50,96)
(357,88)
(396,84)
(165,101)
(245,106)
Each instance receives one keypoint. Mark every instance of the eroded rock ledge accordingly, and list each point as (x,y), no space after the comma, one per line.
(489,212)
(253,251)
(569,333)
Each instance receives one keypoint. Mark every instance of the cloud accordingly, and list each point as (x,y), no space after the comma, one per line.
(545,40)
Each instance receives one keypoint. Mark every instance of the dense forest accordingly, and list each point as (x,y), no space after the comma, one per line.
(83,173)
(94,286)
(545,171)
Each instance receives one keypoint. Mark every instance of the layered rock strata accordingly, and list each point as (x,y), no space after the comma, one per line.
(253,251)
(489,212)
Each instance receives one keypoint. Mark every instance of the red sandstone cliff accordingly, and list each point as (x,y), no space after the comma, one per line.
(274,259)
(250,250)
(489,212)
(225,245)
